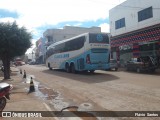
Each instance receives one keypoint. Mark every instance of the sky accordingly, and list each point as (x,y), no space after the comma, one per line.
(39,15)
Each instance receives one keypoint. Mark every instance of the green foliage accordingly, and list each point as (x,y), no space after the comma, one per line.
(14,40)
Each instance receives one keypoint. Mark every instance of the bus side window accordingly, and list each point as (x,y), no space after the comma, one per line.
(85,38)
(64,48)
(68,46)
(72,45)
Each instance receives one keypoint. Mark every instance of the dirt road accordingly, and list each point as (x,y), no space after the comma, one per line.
(103,90)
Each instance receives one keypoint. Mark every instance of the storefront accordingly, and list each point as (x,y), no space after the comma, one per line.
(143,42)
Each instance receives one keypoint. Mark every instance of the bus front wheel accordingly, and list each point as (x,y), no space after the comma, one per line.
(92,71)
(49,66)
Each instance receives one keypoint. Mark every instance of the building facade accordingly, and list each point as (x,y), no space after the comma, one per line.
(40,50)
(135,29)
(55,35)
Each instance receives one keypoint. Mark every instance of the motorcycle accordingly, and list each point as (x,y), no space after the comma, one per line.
(4,94)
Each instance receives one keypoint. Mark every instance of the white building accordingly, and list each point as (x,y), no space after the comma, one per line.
(135,29)
(40,50)
(31,56)
(54,35)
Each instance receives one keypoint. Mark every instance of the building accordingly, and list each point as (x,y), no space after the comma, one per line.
(31,56)
(55,35)
(40,50)
(135,29)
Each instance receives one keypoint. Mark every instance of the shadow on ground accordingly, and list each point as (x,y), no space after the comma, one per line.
(87,77)
(157,72)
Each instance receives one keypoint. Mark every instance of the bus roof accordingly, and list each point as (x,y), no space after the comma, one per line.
(65,40)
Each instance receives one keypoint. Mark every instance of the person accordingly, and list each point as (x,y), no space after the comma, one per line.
(2,68)
(20,71)
(24,76)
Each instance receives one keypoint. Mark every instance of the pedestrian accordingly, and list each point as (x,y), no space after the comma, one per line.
(24,76)
(20,71)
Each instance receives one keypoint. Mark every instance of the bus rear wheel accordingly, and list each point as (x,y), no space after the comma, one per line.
(73,68)
(67,68)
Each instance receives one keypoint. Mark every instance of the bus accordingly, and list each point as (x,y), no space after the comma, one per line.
(85,52)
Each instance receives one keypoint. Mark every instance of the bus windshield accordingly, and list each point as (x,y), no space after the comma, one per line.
(98,38)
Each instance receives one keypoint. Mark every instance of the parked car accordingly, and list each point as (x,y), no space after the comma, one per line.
(113,65)
(19,62)
(141,64)
(32,63)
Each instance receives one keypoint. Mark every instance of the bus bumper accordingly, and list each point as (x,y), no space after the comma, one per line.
(97,66)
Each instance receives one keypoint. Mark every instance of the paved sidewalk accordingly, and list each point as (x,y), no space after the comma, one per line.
(20,100)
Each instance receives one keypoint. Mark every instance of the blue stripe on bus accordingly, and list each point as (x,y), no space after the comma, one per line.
(93,66)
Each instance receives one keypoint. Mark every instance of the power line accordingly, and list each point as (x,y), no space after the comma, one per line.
(125,6)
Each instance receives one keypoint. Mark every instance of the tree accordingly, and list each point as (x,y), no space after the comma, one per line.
(14,41)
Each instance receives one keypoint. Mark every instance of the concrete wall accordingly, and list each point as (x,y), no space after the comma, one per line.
(68,32)
(129,10)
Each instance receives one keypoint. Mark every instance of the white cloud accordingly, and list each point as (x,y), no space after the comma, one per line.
(105,27)
(30,50)
(7,19)
(35,13)
(78,24)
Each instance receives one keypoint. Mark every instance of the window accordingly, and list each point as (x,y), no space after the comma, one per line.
(50,38)
(50,52)
(98,38)
(120,23)
(145,14)
(59,48)
(74,44)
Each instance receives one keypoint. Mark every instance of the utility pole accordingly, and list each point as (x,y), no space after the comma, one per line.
(32,55)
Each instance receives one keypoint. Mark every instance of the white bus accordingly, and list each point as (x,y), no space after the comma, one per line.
(86,52)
